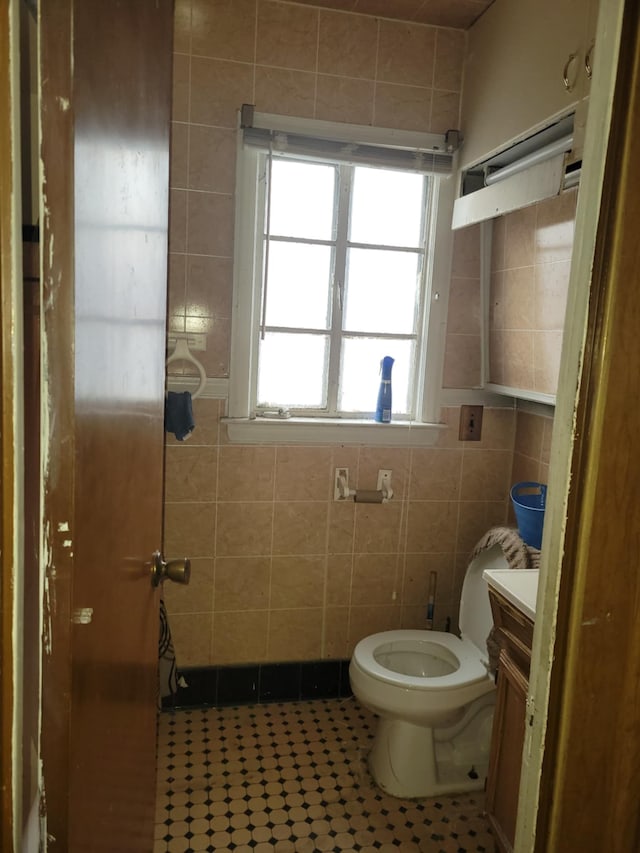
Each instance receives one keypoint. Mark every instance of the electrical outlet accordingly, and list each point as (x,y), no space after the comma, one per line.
(470,423)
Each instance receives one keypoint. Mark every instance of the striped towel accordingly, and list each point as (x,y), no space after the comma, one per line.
(518,555)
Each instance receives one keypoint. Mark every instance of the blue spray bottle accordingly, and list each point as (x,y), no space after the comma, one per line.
(383,408)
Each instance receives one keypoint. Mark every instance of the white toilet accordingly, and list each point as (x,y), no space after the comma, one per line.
(434,696)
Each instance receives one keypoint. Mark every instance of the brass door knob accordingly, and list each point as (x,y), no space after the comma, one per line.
(178,571)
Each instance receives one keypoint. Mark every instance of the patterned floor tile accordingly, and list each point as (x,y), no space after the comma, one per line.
(292,778)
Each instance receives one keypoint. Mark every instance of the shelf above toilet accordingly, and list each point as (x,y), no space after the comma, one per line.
(518,586)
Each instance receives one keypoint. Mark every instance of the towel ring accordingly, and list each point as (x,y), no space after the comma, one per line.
(183,353)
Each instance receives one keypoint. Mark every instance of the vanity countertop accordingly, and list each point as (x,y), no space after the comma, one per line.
(518,586)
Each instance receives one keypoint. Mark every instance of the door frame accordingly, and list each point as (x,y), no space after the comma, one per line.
(55,27)
(11,467)
(585,644)
(595,697)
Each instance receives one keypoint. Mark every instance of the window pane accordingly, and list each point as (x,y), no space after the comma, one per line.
(293,370)
(387,207)
(360,381)
(298,286)
(302,199)
(382,291)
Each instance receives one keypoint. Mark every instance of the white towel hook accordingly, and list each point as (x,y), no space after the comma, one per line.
(183,353)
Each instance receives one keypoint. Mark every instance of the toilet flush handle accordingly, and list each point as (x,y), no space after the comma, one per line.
(178,571)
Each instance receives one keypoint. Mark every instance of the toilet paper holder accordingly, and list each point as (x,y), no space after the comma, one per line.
(381,494)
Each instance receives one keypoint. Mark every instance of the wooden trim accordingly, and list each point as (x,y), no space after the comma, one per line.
(591,771)
(556,575)
(9,349)
(58,447)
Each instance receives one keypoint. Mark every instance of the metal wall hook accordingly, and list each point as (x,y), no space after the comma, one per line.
(588,63)
(183,353)
(569,83)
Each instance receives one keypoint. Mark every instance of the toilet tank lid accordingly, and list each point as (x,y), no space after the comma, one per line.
(476,619)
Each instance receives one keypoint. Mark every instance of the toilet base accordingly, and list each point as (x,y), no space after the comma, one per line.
(403,763)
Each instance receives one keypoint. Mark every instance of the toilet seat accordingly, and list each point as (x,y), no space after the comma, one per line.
(439,644)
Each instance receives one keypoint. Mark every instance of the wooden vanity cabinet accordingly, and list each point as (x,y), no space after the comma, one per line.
(515,635)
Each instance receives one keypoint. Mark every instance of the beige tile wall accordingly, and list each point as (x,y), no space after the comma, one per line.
(462,362)
(532,447)
(531,261)
(289,59)
(283,572)
(280,571)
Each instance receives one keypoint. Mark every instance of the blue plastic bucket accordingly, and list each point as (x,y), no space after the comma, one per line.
(529,500)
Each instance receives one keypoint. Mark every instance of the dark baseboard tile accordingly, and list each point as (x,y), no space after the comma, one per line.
(218,686)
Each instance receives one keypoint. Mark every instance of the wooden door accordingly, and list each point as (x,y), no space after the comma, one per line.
(106,91)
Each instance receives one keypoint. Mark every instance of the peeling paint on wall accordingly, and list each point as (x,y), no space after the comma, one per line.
(49,593)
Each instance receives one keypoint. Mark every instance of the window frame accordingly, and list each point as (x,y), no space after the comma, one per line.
(336,332)
(242,423)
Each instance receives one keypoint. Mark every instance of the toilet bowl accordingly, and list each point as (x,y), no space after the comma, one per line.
(434,696)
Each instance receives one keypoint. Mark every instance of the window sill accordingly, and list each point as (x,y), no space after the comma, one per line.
(331,431)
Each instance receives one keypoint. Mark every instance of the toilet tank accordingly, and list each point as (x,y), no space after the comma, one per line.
(475,618)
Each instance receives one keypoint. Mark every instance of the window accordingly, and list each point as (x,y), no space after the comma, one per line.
(334,270)
(343,264)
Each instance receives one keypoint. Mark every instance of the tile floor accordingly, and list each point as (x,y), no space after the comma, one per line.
(292,778)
